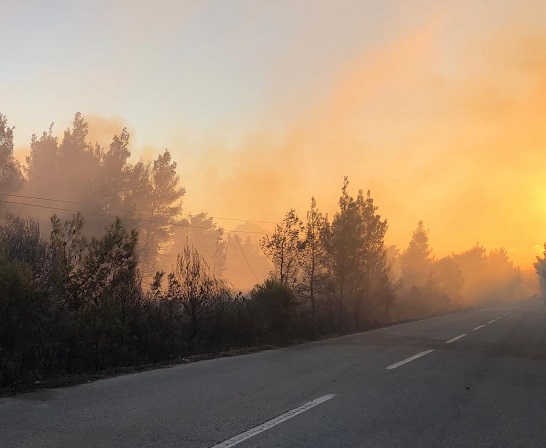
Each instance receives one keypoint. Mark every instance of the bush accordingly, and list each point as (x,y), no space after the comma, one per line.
(273,307)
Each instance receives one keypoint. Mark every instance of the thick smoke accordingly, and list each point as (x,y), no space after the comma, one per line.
(461,148)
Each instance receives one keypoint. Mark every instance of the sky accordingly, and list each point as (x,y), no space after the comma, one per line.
(437,107)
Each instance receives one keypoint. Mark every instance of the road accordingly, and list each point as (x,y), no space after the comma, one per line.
(419,384)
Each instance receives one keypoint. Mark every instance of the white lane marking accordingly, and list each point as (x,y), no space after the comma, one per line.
(491,321)
(500,317)
(456,338)
(411,358)
(273,422)
(478,327)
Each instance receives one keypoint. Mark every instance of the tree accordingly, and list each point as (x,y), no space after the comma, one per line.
(42,164)
(112,177)
(416,261)
(136,198)
(314,256)
(540,269)
(283,248)
(106,278)
(355,244)
(449,277)
(23,306)
(344,246)
(473,264)
(68,172)
(11,177)
(273,305)
(78,163)
(376,289)
(21,240)
(164,205)
(429,285)
(102,182)
(205,236)
(193,289)
(506,279)
(18,319)
(84,274)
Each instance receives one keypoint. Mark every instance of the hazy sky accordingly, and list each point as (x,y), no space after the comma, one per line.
(438,107)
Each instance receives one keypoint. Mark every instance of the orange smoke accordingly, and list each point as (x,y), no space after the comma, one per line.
(460,145)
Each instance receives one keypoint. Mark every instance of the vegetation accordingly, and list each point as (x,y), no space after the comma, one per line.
(136,282)
(540,269)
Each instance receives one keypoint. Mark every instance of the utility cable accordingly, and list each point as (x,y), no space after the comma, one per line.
(21,196)
(244,256)
(227,247)
(178,224)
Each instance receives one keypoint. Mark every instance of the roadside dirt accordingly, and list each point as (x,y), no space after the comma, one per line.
(75,379)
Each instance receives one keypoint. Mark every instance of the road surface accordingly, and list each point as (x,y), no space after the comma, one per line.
(470,379)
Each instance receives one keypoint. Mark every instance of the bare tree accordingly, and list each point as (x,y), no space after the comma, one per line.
(193,289)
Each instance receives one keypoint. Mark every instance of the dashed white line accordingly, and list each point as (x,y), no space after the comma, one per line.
(411,358)
(478,327)
(456,338)
(500,317)
(273,422)
(491,321)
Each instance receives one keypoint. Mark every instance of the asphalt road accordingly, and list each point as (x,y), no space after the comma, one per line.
(484,389)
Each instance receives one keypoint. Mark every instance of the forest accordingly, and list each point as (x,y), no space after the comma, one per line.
(100,267)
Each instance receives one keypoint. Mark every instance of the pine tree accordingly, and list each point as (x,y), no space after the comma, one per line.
(416,261)
(358,259)
(314,257)
(164,205)
(41,160)
(11,177)
(283,249)
(112,178)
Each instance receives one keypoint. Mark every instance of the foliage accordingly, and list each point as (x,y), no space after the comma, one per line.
(540,269)
(207,238)
(164,206)
(193,292)
(76,299)
(273,304)
(358,261)
(488,276)
(283,248)
(314,258)
(416,261)
(11,176)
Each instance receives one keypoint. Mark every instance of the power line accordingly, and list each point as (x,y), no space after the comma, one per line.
(138,209)
(227,247)
(244,256)
(46,199)
(178,224)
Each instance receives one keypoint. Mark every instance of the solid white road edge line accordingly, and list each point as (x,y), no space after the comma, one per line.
(478,327)
(273,422)
(411,358)
(456,338)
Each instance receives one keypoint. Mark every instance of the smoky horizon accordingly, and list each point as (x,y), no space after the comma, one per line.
(198,179)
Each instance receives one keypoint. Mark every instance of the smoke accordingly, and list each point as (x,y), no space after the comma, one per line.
(443,122)
(102,129)
(458,142)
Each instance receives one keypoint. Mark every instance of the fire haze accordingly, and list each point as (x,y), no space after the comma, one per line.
(449,132)
(441,117)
